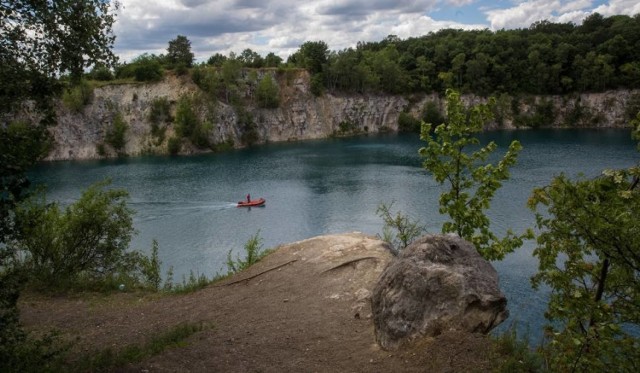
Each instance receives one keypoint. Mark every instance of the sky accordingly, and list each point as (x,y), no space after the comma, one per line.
(281,26)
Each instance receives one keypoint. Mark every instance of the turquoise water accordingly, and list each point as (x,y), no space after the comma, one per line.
(332,186)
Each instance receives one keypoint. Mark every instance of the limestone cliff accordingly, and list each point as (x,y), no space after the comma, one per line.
(300,115)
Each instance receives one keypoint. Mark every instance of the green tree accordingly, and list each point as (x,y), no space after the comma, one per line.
(179,52)
(88,240)
(272,60)
(39,41)
(589,256)
(312,55)
(267,93)
(216,60)
(472,183)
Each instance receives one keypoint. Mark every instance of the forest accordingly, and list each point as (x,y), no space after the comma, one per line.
(546,58)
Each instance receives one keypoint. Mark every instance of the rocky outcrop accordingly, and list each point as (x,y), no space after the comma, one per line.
(300,115)
(438,283)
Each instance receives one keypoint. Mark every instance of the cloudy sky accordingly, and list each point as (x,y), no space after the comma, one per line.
(280,26)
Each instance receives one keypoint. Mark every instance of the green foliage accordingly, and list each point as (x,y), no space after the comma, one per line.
(632,107)
(543,116)
(472,183)
(407,123)
(346,127)
(514,354)
(144,68)
(179,52)
(112,360)
(39,41)
(253,254)
(101,73)
(312,55)
(150,268)
(159,115)
(216,60)
(399,230)
(589,256)
(267,93)
(78,96)
(317,84)
(115,136)
(188,124)
(431,114)
(174,145)
(84,244)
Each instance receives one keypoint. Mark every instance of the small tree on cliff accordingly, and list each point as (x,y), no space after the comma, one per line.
(472,183)
(589,254)
(267,93)
(179,52)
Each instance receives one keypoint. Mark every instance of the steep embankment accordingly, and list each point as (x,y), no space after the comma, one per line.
(300,115)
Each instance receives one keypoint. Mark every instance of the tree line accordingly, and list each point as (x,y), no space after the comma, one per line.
(546,58)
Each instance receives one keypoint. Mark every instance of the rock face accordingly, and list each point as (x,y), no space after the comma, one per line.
(436,284)
(300,115)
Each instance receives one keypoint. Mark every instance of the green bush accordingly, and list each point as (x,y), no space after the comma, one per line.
(186,119)
(148,72)
(267,94)
(101,73)
(159,114)
(407,123)
(77,97)
(115,136)
(317,84)
(253,254)
(82,246)
(431,114)
(174,145)
(399,230)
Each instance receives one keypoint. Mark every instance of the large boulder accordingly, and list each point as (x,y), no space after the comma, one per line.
(436,284)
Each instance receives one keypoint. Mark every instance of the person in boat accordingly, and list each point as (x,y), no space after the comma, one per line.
(248,198)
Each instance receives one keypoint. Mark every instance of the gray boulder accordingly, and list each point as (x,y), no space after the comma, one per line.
(436,284)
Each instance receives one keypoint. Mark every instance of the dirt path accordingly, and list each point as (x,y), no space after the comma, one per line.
(304,308)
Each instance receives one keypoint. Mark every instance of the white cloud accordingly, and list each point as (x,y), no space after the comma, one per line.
(280,26)
(523,14)
(628,7)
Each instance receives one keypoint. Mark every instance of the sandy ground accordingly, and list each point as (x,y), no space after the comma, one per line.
(303,308)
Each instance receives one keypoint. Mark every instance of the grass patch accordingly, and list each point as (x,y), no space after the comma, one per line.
(513,354)
(111,359)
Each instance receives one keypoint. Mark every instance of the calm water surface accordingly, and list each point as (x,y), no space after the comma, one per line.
(332,186)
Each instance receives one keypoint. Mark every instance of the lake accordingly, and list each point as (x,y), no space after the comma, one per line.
(331,186)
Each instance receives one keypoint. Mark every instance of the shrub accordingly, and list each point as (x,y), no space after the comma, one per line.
(317,84)
(431,114)
(399,230)
(77,97)
(186,119)
(174,145)
(101,73)
(268,96)
(253,254)
(86,243)
(148,72)
(116,134)
(407,123)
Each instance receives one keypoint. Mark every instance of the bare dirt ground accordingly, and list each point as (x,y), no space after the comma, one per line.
(303,308)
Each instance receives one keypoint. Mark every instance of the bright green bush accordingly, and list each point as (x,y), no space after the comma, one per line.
(82,246)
